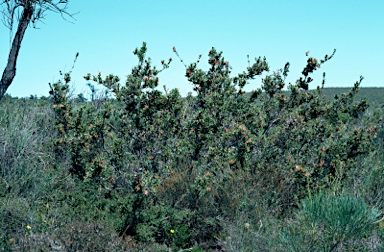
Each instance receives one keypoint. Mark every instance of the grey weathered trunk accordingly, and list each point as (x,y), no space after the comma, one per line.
(10,70)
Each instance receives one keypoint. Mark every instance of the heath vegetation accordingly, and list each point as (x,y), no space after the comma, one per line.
(140,168)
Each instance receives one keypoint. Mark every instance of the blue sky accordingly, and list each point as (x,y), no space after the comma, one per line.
(105,33)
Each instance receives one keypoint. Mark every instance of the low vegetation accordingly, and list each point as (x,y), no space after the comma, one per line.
(139,169)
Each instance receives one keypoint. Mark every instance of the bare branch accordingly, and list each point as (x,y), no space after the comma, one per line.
(39,6)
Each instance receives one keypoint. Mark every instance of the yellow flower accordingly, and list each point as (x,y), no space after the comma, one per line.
(12,240)
(172,231)
(29,227)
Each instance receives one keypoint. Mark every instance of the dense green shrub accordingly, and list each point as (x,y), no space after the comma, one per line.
(160,161)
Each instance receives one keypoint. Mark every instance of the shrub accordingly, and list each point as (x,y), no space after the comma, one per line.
(183,157)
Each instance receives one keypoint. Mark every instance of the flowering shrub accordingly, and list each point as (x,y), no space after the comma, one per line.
(184,156)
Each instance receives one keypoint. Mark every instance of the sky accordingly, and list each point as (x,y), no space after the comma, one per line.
(105,33)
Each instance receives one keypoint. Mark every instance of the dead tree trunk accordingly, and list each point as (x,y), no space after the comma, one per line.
(10,70)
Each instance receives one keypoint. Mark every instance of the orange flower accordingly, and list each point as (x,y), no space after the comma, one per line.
(299,168)
(242,127)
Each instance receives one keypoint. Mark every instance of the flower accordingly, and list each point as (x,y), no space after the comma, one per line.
(172,231)
(246,225)
(12,240)
(28,227)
